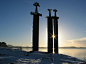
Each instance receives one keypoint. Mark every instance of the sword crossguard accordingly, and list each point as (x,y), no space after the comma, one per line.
(36,11)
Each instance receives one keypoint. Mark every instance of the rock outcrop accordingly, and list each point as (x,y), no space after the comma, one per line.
(3,44)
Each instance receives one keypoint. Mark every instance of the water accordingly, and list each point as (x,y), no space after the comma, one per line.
(79,53)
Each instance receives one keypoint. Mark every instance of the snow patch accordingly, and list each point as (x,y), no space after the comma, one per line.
(15,56)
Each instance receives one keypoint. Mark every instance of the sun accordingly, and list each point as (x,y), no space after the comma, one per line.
(53,36)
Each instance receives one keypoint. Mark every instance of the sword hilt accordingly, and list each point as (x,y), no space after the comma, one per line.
(50,12)
(55,11)
(37,5)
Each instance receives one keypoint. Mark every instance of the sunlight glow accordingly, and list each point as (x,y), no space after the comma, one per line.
(31,34)
(59,38)
(53,39)
(46,37)
(53,36)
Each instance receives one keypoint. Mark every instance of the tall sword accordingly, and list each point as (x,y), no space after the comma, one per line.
(50,32)
(55,31)
(36,27)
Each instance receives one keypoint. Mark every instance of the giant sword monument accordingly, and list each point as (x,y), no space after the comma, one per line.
(36,27)
(51,20)
(50,32)
(55,31)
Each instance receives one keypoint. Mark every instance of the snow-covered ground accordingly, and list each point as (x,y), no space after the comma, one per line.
(15,56)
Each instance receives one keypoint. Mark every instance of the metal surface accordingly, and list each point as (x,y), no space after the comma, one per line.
(36,27)
(50,32)
(55,31)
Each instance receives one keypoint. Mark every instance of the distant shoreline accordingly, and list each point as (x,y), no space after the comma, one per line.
(43,47)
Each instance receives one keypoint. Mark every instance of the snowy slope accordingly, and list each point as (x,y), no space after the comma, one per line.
(15,56)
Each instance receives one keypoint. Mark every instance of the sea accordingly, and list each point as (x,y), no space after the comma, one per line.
(79,53)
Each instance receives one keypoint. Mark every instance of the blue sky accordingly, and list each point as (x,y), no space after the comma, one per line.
(16,21)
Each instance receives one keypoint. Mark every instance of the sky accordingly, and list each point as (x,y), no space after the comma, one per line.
(16,22)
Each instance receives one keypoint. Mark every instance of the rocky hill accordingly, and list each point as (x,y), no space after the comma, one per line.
(3,44)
